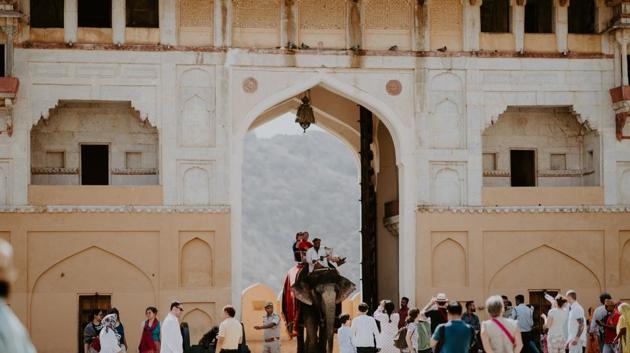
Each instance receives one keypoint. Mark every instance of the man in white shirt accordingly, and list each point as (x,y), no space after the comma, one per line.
(576,339)
(364,331)
(230,332)
(316,257)
(172,341)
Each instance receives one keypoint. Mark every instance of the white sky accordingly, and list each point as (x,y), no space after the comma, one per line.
(282,125)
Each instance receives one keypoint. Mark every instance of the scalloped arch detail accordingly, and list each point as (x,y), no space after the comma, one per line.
(46,108)
(581,114)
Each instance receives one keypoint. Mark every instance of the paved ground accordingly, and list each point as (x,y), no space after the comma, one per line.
(286,347)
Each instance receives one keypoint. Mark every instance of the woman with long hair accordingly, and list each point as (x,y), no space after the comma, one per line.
(389,326)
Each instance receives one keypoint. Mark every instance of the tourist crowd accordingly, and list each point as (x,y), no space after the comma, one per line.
(443,326)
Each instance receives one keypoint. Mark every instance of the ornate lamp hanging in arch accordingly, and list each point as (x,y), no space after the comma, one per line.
(305,116)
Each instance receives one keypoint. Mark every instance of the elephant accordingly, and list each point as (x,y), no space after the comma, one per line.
(319,293)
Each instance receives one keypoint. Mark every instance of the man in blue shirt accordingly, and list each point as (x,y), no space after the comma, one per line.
(524,316)
(455,336)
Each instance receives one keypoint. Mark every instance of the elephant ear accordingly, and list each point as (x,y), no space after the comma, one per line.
(303,292)
(346,287)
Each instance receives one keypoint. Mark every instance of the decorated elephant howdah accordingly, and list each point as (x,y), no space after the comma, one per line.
(319,293)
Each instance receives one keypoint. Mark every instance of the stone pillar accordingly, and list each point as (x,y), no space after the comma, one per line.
(472,24)
(355,28)
(288,24)
(70,21)
(561,24)
(119,21)
(623,38)
(421,25)
(518,23)
(222,23)
(168,22)
(9,30)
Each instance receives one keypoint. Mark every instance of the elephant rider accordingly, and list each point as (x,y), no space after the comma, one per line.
(317,258)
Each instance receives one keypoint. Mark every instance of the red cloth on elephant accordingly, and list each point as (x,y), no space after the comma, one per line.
(290,305)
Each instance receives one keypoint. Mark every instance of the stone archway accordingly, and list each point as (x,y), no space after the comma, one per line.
(83,272)
(387,118)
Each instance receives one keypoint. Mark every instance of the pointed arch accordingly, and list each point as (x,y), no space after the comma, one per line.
(449,264)
(388,116)
(199,322)
(85,250)
(196,264)
(558,264)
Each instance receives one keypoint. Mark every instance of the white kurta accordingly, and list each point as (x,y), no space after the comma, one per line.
(171,335)
(313,256)
(109,341)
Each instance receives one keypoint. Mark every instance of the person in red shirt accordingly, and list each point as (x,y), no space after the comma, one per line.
(610,326)
(403,312)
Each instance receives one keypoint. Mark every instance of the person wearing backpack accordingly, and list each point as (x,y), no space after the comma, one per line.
(499,334)
(455,336)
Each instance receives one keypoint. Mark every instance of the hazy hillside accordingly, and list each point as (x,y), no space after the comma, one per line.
(292,183)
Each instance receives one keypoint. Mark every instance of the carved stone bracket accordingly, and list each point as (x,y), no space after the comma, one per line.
(621,105)
(8,91)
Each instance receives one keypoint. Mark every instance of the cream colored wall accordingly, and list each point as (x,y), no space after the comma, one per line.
(142,258)
(547,131)
(386,191)
(472,255)
(74,123)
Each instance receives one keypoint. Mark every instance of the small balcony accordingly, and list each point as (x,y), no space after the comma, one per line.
(95,195)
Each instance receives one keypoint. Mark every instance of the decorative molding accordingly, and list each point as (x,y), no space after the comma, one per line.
(392,224)
(524,209)
(142,171)
(54,171)
(496,173)
(565,173)
(393,87)
(542,173)
(116,209)
(250,85)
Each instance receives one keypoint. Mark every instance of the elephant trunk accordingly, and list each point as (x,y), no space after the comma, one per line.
(329,296)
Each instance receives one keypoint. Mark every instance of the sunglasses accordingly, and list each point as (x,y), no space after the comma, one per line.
(180,308)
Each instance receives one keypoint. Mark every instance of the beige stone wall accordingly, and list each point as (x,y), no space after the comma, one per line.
(256,23)
(140,259)
(196,21)
(473,255)
(388,23)
(56,143)
(567,154)
(322,21)
(445,21)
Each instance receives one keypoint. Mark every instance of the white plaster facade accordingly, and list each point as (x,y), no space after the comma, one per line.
(203,101)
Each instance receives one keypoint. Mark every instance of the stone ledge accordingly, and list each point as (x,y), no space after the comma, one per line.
(524,209)
(115,209)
